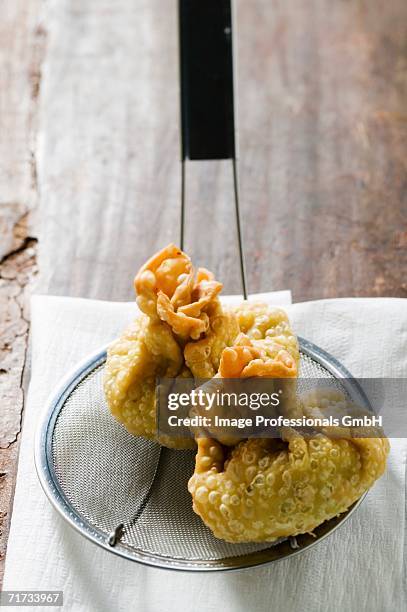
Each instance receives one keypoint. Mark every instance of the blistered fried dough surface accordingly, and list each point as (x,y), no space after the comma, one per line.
(203,356)
(245,359)
(270,325)
(267,489)
(146,350)
(169,289)
(268,329)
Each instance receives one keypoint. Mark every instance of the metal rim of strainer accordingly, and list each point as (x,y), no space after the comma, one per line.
(49,481)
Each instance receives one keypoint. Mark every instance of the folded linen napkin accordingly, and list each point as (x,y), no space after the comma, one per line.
(358,567)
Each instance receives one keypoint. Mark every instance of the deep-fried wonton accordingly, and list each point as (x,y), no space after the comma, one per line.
(265,489)
(183,329)
(268,488)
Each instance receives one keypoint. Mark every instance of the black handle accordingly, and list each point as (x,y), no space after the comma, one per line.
(206,66)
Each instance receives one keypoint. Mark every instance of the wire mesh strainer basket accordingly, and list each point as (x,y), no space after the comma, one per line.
(99,477)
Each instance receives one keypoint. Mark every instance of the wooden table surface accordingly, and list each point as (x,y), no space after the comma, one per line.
(90,173)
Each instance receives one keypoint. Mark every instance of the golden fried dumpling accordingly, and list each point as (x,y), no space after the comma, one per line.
(169,289)
(146,350)
(182,329)
(263,490)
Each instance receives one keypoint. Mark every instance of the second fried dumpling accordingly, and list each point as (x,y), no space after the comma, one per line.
(266,489)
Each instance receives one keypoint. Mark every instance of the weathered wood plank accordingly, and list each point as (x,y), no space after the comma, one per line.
(109,152)
(323,158)
(21,47)
(321,95)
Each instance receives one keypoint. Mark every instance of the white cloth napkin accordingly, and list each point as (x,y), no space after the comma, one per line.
(359,567)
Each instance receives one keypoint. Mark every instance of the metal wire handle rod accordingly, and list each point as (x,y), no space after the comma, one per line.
(239,228)
(237,217)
